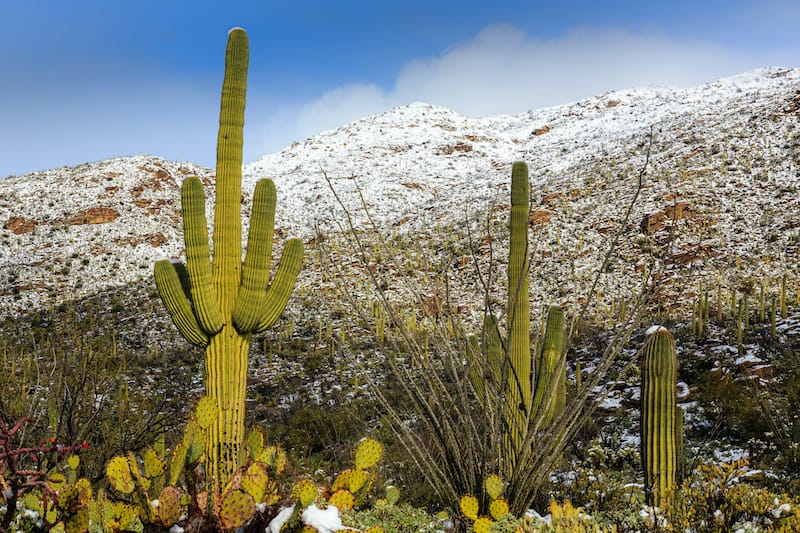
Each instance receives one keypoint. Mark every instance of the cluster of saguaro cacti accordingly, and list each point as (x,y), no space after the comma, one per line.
(219,304)
(661,427)
(534,388)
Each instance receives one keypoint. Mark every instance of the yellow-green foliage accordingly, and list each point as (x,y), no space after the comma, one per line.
(719,496)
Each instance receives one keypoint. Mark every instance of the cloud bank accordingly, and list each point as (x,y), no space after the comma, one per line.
(503,70)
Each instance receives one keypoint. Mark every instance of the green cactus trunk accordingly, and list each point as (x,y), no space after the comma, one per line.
(518,395)
(659,431)
(550,391)
(219,306)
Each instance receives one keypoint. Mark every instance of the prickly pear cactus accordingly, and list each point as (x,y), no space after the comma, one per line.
(342,500)
(658,405)
(305,491)
(255,481)
(119,475)
(236,509)
(392,495)
(469,506)
(169,506)
(494,486)
(368,453)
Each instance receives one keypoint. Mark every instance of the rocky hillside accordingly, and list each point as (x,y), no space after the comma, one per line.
(719,197)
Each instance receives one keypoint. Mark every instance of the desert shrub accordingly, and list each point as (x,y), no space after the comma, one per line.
(67,370)
(719,498)
(394,519)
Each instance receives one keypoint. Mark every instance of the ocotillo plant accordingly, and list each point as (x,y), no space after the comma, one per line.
(659,432)
(218,304)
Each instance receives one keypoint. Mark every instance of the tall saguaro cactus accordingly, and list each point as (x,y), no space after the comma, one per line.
(659,430)
(518,399)
(216,302)
(533,393)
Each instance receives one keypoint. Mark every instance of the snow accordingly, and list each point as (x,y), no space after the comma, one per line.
(727,148)
(653,329)
(323,520)
(283,515)
(747,359)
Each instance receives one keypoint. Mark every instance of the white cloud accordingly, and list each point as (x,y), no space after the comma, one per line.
(503,70)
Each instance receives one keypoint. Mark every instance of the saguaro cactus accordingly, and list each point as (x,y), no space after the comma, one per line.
(533,393)
(216,302)
(659,431)
(518,399)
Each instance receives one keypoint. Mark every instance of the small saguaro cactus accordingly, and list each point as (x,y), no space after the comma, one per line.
(215,301)
(659,432)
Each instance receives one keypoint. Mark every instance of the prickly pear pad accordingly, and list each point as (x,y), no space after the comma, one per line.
(119,475)
(368,453)
(237,508)
(469,506)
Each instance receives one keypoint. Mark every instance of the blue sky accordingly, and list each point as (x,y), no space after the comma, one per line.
(88,80)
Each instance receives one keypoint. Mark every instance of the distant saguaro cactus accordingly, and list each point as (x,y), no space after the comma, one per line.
(218,304)
(518,399)
(660,434)
(533,386)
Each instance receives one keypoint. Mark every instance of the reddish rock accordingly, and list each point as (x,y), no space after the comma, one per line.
(652,222)
(677,211)
(93,215)
(155,239)
(432,305)
(20,225)
(551,197)
(540,216)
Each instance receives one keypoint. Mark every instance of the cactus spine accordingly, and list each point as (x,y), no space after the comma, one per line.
(226,302)
(659,431)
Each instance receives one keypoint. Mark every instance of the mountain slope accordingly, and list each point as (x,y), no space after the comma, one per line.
(725,156)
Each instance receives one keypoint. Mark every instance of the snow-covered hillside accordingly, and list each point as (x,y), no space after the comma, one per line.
(725,158)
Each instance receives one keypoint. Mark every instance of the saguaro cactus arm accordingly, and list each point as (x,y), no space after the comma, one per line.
(198,264)
(550,367)
(257,307)
(282,284)
(255,274)
(227,214)
(171,292)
